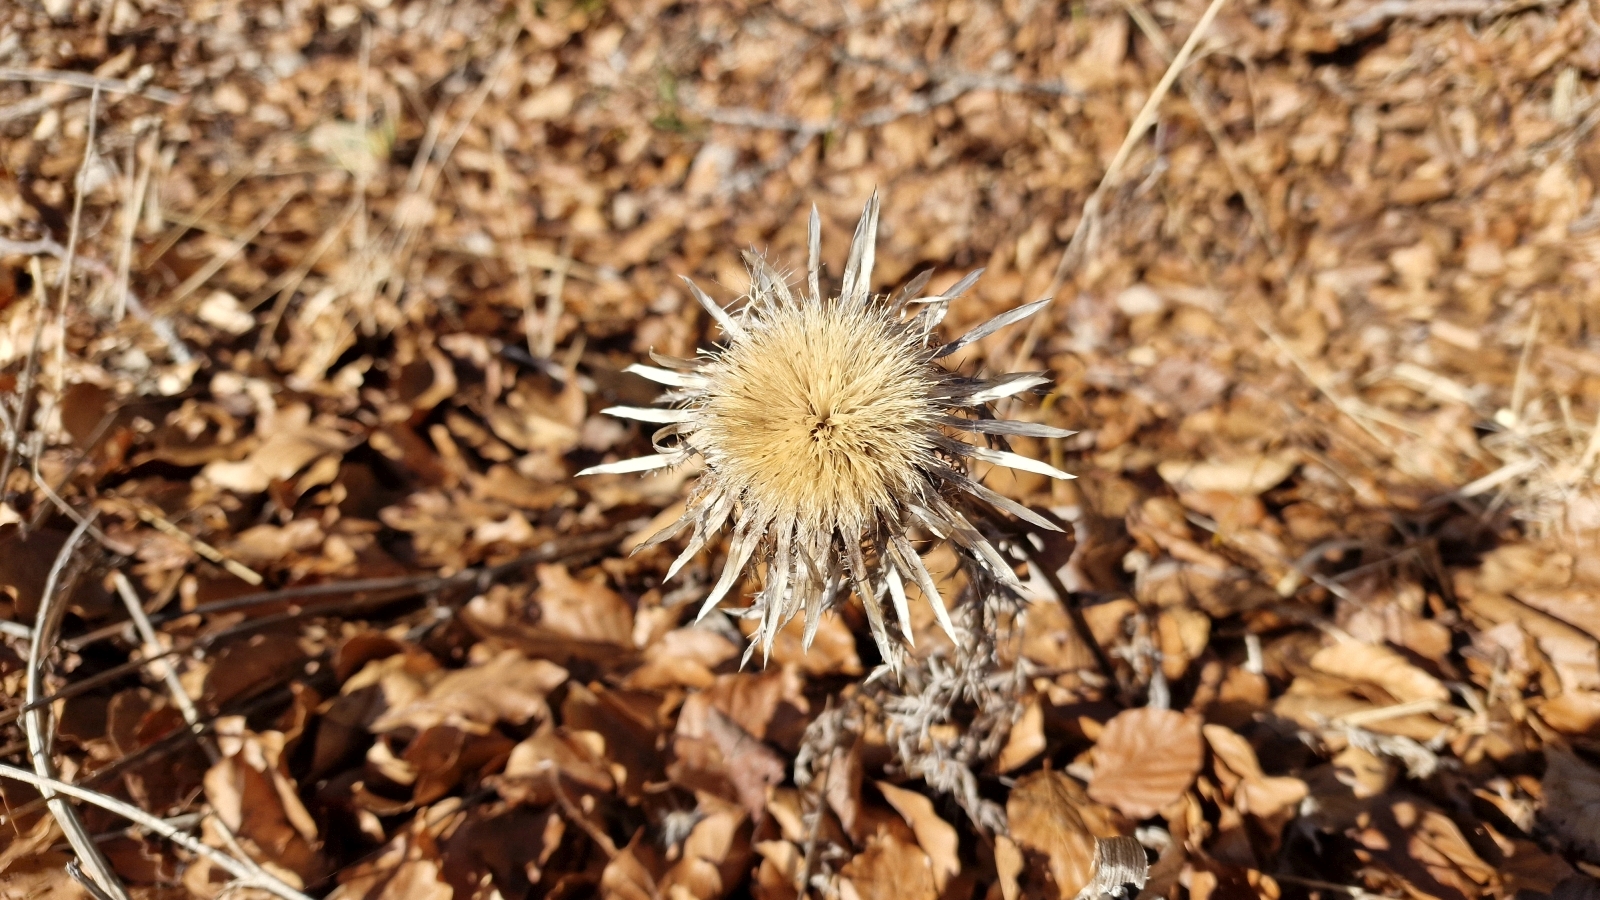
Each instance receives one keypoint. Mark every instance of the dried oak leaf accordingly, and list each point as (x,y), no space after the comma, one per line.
(779,870)
(418,879)
(937,837)
(286,442)
(1381,666)
(1250,475)
(1057,823)
(683,657)
(585,609)
(888,869)
(442,755)
(1026,739)
(630,722)
(1145,759)
(251,794)
(1426,850)
(716,855)
(627,878)
(508,687)
(1253,791)
(718,740)
(41,875)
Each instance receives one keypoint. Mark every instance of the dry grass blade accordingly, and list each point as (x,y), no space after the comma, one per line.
(90,82)
(1141,123)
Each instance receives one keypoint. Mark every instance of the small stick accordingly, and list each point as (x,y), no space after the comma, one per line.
(408,585)
(72,239)
(156,826)
(134,208)
(37,728)
(47,247)
(24,393)
(164,525)
(157,658)
(90,82)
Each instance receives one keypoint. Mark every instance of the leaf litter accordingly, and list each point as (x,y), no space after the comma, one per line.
(309,313)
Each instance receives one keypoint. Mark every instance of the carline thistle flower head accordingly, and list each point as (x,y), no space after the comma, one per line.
(829,431)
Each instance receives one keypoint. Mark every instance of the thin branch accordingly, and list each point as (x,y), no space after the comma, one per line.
(1371,17)
(159,662)
(87,81)
(1199,96)
(155,826)
(1090,217)
(983,81)
(400,587)
(52,608)
(200,277)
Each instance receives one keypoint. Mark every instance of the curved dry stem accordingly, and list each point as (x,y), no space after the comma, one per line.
(37,727)
(158,827)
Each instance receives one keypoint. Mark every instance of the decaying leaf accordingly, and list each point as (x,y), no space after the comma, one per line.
(938,839)
(1254,792)
(1145,759)
(889,869)
(1242,476)
(1381,666)
(336,296)
(508,687)
(1056,822)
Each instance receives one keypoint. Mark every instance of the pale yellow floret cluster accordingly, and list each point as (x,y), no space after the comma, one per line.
(830,436)
(824,412)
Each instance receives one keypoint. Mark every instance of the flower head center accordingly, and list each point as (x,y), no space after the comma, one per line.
(820,410)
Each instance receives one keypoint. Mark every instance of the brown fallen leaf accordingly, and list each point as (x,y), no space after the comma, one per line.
(585,609)
(716,855)
(625,877)
(686,657)
(1057,823)
(1027,738)
(508,687)
(1008,863)
(1426,850)
(937,837)
(418,879)
(888,869)
(1145,759)
(1242,476)
(286,442)
(577,757)
(441,756)
(1254,792)
(1379,665)
(715,754)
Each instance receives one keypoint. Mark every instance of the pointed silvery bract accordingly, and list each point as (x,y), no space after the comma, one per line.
(828,428)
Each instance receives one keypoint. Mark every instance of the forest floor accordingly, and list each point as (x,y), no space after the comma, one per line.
(308,311)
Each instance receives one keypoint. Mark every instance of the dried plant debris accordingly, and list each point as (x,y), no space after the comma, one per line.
(311,314)
(825,429)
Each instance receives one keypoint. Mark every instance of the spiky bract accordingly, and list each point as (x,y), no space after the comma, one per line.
(827,427)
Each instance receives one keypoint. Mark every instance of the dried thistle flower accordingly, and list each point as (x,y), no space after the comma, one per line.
(827,427)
